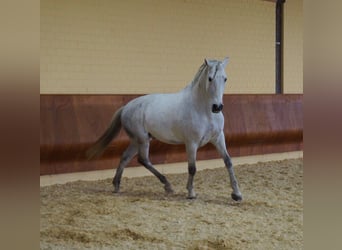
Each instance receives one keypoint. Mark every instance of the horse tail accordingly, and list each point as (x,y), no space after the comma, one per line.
(112,131)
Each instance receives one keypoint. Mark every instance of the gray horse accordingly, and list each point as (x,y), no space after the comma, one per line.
(191,116)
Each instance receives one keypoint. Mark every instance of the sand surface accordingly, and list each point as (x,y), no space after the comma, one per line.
(87,215)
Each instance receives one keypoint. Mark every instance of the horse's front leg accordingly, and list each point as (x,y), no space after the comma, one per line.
(221,147)
(191,151)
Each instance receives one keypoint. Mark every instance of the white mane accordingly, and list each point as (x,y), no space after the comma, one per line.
(198,74)
(200,71)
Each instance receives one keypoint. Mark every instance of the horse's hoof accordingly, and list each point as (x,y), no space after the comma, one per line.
(236,197)
(191,197)
(116,191)
(168,190)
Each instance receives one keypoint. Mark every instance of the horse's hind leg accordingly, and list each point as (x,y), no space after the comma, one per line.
(144,160)
(126,157)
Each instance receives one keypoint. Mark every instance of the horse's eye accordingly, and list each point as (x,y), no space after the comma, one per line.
(210,79)
(225,79)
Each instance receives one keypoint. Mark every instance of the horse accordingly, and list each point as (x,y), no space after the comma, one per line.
(191,116)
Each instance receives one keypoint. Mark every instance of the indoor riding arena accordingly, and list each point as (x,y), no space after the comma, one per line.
(97,56)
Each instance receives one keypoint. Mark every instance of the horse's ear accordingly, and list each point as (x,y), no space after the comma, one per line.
(208,62)
(225,62)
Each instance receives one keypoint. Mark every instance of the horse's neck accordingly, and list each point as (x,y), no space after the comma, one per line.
(196,93)
(196,90)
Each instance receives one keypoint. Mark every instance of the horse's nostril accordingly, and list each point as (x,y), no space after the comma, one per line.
(217,108)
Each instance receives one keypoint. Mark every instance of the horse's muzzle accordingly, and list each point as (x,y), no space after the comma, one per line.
(217,108)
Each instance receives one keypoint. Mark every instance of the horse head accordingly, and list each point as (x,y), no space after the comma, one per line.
(215,81)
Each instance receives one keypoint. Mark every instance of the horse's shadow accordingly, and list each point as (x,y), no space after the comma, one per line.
(159,195)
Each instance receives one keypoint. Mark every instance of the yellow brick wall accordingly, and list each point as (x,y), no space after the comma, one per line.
(148,46)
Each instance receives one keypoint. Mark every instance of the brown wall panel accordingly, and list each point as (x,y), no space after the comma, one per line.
(254,124)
